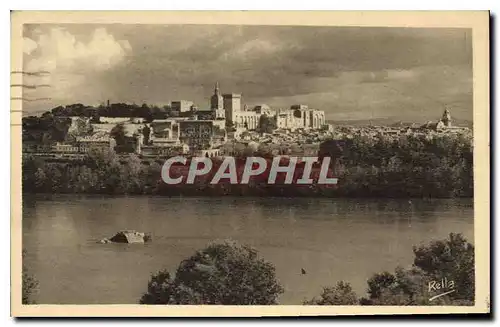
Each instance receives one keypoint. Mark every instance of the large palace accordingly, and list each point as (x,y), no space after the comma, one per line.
(228,107)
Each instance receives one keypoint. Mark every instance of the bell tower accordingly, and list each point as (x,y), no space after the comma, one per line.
(216,101)
(217,104)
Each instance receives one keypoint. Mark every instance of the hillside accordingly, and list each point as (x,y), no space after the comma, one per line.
(390,122)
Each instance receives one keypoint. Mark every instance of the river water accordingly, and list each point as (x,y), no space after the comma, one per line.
(331,239)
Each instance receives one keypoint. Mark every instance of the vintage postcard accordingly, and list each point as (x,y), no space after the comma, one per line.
(250,163)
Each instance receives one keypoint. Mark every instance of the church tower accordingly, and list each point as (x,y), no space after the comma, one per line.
(216,101)
(217,104)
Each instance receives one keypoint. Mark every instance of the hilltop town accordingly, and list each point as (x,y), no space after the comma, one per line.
(224,128)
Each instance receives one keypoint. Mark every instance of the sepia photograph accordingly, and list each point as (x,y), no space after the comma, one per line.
(305,163)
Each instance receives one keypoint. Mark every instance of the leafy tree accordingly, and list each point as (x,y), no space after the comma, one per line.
(453,259)
(40,178)
(131,174)
(108,171)
(82,127)
(30,284)
(404,287)
(95,117)
(59,111)
(378,282)
(122,144)
(118,133)
(341,294)
(223,273)
(146,132)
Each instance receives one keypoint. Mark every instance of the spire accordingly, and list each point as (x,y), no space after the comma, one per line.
(216,90)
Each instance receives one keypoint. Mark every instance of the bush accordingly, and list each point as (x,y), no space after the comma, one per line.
(451,259)
(341,294)
(222,273)
(404,287)
(30,284)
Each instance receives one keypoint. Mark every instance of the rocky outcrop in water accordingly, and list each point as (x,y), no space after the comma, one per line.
(130,236)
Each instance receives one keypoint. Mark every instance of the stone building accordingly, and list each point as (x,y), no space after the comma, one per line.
(201,134)
(286,120)
(298,116)
(232,106)
(178,108)
(164,129)
(443,124)
(95,142)
(264,109)
(308,118)
(246,119)
(165,150)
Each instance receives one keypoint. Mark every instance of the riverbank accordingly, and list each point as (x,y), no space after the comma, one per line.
(107,175)
(409,168)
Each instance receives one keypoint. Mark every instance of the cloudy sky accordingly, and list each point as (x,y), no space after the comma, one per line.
(351,73)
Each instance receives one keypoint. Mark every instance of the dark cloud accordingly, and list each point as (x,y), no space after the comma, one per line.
(335,68)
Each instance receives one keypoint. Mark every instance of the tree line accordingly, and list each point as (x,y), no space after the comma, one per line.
(144,110)
(410,166)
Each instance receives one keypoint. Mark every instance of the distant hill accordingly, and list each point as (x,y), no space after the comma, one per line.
(367,122)
(391,122)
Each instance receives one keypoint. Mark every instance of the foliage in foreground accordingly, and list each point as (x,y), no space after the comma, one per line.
(340,294)
(411,166)
(441,262)
(30,285)
(222,273)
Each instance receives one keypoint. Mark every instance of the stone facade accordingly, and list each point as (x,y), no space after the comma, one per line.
(247,119)
(232,106)
(201,134)
(298,116)
(181,106)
